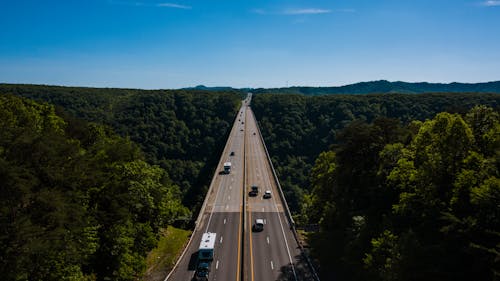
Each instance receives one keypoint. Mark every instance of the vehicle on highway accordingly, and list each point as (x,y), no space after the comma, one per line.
(242,122)
(254,133)
(206,249)
(254,190)
(205,256)
(241,130)
(232,153)
(267,194)
(202,272)
(227,167)
(258,225)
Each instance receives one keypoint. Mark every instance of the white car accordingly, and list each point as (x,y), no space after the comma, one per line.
(267,194)
(259,225)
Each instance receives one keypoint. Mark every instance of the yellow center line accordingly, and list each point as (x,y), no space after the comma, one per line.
(240,230)
(250,221)
(238,276)
(239,245)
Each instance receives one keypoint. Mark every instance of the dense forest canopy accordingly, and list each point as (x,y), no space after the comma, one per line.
(404,187)
(416,202)
(395,198)
(182,131)
(78,202)
(297,128)
(385,87)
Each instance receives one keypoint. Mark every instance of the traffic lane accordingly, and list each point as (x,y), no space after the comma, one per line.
(260,176)
(228,197)
(271,254)
(225,196)
(264,267)
(215,201)
(256,175)
(225,265)
(300,269)
(187,265)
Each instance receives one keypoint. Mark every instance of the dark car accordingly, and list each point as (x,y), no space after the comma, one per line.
(232,153)
(202,272)
(254,190)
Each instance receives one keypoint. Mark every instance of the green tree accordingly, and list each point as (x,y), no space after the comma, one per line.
(77,201)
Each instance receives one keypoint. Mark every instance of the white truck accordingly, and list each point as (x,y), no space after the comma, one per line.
(227,167)
(205,256)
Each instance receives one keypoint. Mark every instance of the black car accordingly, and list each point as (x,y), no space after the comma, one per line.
(254,190)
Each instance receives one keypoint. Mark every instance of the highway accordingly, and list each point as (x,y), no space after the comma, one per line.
(272,254)
(222,214)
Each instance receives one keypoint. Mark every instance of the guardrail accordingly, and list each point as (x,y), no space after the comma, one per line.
(282,196)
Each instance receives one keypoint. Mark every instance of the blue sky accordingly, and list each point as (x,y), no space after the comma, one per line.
(254,43)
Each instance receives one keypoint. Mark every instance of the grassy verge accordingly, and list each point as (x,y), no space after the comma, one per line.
(162,259)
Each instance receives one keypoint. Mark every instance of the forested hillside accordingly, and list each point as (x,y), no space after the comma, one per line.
(77,201)
(397,199)
(386,87)
(416,202)
(297,128)
(183,131)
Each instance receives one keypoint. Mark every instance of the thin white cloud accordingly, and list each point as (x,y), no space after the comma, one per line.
(259,11)
(149,4)
(304,11)
(491,3)
(308,11)
(173,5)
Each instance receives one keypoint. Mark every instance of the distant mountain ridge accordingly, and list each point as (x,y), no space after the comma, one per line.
(205,88)
(384,86)
(371,87)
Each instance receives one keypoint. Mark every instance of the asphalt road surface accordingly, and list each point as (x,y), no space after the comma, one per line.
(274,253)
(271,254)
(222,215)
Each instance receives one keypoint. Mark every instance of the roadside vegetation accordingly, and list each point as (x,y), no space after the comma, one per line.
(163,258)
